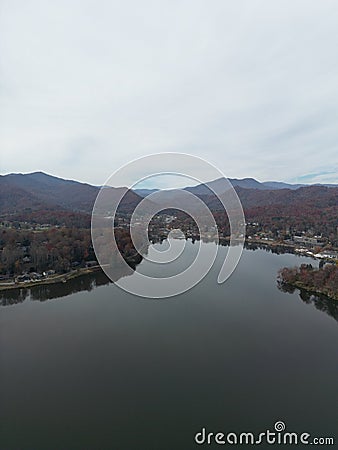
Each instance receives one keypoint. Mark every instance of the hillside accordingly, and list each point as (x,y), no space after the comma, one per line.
(248,183)
(41,191)
(45,198)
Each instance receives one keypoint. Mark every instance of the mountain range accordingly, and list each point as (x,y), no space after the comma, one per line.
(245,183)
(38,194)
(38,191)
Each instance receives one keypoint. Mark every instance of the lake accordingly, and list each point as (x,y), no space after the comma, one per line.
(85,365)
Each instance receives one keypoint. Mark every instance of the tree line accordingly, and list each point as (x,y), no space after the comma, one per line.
(58,249)
(322,281)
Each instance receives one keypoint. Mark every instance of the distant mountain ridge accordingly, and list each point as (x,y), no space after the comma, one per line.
(21,195)
(46,191)
(245,183)
(39,191)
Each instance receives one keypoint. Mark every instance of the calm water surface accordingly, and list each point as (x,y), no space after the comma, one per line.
(101,369)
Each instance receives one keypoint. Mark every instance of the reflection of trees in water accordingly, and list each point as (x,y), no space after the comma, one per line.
(13,296)
(277,249)
(85,282)
(269,248)
(320,302)
(56,290)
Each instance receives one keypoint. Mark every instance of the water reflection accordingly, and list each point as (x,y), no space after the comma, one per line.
(276,249)
(90,281)
(84,282)
(45,292)
(320,302)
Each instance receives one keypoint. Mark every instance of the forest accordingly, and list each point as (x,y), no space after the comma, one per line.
(58,249)
(321,281)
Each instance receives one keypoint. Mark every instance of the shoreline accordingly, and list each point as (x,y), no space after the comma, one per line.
(302,287)
(63,278)
(60,278)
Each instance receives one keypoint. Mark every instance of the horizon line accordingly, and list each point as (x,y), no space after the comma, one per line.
(150,188)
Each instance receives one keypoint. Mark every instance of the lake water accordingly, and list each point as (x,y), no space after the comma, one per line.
(95,368)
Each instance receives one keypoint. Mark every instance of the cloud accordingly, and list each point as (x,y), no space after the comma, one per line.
(249,85)
(318,177)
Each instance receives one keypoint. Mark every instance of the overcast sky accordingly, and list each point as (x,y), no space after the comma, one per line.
(252,86)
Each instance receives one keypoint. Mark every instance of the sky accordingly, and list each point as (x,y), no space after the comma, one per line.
(251,86)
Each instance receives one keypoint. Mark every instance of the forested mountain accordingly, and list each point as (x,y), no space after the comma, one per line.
(40,199)
(255,194)
(245,183)
(43,198)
